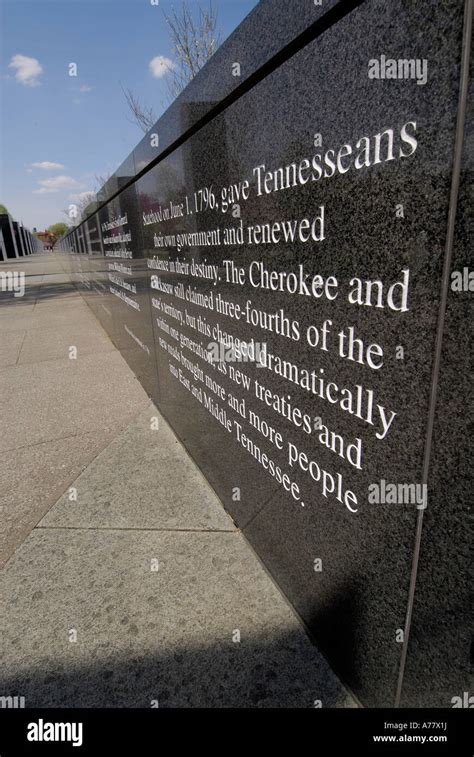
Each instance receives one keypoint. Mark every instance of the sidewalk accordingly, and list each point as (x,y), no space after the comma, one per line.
(131,588)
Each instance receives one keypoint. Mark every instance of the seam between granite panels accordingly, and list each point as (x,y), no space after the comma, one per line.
(453,199)
(312,32)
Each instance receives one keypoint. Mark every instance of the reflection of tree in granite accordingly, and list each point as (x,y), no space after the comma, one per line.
(205,157)
(94,242)
(122,181)
(161,186)
(145,204)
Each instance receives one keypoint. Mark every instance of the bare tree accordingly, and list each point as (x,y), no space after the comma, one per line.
(144,117)
(194,41)
(76,212)
(100,182)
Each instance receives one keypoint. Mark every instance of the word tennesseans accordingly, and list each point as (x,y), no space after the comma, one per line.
(368,151)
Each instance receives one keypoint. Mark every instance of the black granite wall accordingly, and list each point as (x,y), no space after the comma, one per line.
(10,249)
(15,239)
(309,198)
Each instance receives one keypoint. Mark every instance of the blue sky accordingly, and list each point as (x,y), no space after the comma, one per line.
(81,125)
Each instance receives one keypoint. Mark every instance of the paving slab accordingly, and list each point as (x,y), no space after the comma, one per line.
(22,308)
(144,634)
(12,297)
(55,291)
(32,478)
(45,304)
(58,398)
(33,278)
(53,316)
(143,479)
(56,278)
(10,346)
(54,343)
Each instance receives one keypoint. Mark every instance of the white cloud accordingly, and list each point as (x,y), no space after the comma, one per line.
(81,196)
(47,165)
(84,88)
(159,66)
(56,184)
(27,70)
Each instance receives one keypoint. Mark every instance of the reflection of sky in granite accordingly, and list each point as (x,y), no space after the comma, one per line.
(216,81)
(355,606)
